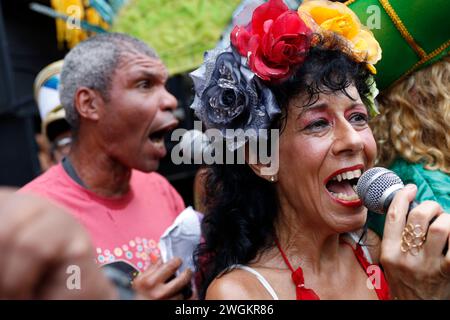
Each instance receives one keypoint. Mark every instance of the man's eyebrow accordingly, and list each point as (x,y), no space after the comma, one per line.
(152,75)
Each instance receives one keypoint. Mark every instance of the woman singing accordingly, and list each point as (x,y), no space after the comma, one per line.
(301,233)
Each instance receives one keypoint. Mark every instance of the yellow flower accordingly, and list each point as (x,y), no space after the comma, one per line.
(336,17)
(343,25)
(332,16)
(366,47)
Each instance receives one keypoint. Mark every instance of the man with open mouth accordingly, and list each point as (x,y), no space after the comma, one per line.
(113,91)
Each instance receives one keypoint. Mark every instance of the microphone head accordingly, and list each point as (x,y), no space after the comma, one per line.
(374,187)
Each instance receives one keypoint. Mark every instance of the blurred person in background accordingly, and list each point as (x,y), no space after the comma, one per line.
(55,138)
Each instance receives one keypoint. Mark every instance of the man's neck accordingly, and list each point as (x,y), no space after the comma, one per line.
(99,172)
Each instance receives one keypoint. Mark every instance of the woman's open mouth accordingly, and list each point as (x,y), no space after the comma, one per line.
(341,185)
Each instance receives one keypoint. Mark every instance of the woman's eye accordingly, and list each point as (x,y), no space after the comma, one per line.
(359,118)
(317,125)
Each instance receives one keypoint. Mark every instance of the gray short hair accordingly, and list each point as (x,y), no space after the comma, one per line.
(92,64)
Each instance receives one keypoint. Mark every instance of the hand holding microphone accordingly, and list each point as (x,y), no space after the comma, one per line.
(413,254)
(377,187)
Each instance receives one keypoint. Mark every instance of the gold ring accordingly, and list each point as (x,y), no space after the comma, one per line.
(413,238)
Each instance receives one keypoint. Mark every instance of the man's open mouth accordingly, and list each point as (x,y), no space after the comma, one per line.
(157,136)
(342,184)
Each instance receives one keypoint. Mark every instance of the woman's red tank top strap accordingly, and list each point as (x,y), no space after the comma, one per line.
(303,293)
(378,281)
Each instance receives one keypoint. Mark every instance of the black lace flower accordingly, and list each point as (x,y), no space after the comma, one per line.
(229,96)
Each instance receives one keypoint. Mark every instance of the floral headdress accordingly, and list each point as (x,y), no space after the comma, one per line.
(230,86)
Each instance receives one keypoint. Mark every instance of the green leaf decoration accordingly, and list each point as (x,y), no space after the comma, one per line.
(370,101)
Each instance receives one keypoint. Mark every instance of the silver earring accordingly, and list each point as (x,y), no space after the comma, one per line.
(272,179)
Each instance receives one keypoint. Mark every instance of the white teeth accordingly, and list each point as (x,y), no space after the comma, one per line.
(347,175)
(345,197)
(158,142)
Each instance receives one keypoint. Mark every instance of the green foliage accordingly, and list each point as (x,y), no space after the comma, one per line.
(180,31)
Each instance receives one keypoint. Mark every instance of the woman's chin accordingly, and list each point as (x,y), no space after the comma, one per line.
(352,223)
(348,222)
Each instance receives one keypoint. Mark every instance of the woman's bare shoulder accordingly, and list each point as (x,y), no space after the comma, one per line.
(236,284)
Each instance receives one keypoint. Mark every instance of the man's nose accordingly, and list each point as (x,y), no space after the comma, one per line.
(168,101)
(346,139)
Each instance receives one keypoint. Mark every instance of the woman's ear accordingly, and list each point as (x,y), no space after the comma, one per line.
(87,103)
(258,169)
(261,170)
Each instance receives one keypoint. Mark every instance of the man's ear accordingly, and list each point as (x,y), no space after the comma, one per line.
(88,103)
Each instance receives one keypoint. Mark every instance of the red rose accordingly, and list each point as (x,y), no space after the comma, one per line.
(275,42)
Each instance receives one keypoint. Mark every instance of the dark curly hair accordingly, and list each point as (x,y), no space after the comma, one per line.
(241,208)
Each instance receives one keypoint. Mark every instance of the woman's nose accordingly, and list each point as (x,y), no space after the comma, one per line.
(346,139)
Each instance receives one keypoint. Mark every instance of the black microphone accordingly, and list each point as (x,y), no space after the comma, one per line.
(377,187)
